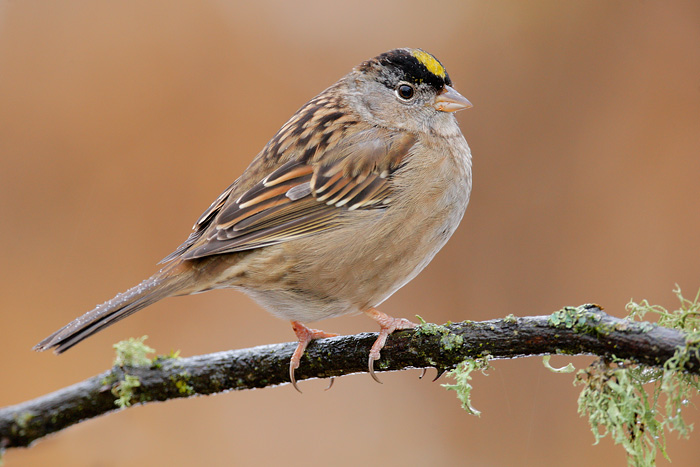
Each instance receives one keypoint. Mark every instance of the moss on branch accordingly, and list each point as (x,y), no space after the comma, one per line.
(137,379)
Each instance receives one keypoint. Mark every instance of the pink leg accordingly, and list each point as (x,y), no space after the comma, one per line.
(387,325)
(304,335)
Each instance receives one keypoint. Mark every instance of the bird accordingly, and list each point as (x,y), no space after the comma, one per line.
(348,202)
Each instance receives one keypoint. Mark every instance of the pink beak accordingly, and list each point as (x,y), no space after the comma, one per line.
(449,100)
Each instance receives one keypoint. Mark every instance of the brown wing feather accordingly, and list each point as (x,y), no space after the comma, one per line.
(320,178)
(201,224)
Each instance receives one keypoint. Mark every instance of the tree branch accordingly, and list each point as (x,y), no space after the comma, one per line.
(585,330)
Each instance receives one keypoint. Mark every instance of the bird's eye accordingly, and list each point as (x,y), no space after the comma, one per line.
(405,91)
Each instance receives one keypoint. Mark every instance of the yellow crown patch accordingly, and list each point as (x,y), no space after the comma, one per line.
(430,62)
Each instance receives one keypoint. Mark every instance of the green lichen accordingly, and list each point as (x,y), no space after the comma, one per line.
(510,319)
(184,388)
(22,422)
(109,380)
(431,329)
(181,382)
(172,355)
(133,352)
(578,318)
(124,391)
(686,318)
(157,363)
(448,340)
(570,368)
(451,341)
(462,376)
(636,404)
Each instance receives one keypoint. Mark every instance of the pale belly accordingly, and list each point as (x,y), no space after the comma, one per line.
(361,264)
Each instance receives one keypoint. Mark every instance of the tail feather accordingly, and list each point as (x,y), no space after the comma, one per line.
(163,284)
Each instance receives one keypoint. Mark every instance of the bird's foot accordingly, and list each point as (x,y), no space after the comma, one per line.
(387,325)
(304,335)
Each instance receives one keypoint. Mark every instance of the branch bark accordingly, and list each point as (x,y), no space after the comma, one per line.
(585,330)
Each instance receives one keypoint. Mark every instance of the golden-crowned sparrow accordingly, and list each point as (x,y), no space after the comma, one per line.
(349,201)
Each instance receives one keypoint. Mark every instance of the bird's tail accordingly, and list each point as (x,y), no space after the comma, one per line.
(169,281)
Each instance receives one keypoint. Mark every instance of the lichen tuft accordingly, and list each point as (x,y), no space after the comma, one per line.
(124,391)
(133,352)
(462,376)
(636,404)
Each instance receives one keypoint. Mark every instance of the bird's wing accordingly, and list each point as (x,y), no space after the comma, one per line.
(302,196)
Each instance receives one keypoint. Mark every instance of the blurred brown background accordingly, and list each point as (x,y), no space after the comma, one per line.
(121,121)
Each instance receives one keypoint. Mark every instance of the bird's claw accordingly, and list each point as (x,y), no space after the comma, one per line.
(372,358)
